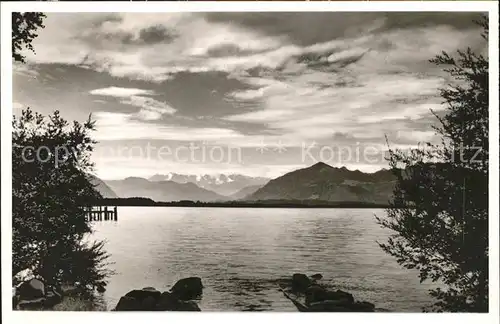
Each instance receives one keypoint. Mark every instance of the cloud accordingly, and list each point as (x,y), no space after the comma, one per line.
(420,136)
(155,47)
(123,126)
(27,70)
(18,105)
(150,109)
(240,79)
(259,116)
(120,92)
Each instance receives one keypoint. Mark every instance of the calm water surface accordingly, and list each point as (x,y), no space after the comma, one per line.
(239,253)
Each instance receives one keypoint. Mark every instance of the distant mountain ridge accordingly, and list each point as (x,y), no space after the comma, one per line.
(245,192)
(162,190)
(102,187)
(221,184)
(319,182)
(324,182)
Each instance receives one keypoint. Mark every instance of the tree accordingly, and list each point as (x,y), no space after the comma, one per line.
(442,231)
(24,27)
(50,188)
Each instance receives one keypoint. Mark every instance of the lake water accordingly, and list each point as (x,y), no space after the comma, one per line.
(239,253)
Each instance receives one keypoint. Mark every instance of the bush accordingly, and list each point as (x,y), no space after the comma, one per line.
(50,188)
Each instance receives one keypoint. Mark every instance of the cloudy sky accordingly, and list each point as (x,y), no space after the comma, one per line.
(251,93)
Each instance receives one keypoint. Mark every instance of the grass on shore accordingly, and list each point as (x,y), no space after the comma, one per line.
(77,304)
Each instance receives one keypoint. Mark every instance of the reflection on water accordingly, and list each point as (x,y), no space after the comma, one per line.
(240,253)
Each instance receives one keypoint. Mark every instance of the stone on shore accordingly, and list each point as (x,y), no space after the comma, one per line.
(31,289)
(34,295)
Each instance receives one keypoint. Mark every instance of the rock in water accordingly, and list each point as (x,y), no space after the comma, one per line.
(148,304)
(363,307)
(150,299)
(317,276)
(188,306)
(141,294)
(339,295)
(329,306)
(300,282)
(315,294)
(139,300)
(128,304)
(188,288)
(169,302)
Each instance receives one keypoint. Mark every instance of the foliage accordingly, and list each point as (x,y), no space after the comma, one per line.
(50,186)
(24,27)
(443,231)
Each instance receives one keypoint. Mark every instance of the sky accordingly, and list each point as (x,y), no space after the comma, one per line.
(259,94)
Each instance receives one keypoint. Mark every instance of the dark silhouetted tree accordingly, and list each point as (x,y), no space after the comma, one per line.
(50,187)
(24,28)
(443,231)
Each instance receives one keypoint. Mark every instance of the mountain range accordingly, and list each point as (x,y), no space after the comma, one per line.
(102,187)
(221,184)
(162,190)
(326,183)
(320,182)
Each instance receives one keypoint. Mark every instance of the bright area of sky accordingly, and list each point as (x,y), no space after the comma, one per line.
(258,94)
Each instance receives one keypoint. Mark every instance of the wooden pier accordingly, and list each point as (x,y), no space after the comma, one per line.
(101,213)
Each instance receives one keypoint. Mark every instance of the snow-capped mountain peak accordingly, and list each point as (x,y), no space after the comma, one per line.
(220,183)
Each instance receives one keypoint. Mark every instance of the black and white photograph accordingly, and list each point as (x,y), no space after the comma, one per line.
(265,161)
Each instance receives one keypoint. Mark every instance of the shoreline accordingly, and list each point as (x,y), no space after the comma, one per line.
(146,202)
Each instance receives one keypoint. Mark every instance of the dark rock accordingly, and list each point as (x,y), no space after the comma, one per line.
(141,294)
(188,306)
(30,295)
(300,282)
(363,307)
(339,295)
(188,288)
(31,290)
(317,276)
(315,294)
(167,302)
(101,287)
(128,304)
(32,304)
(148,304)
(149,288)
(329,306)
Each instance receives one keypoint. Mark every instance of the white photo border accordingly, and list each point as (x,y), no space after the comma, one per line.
(242,317)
